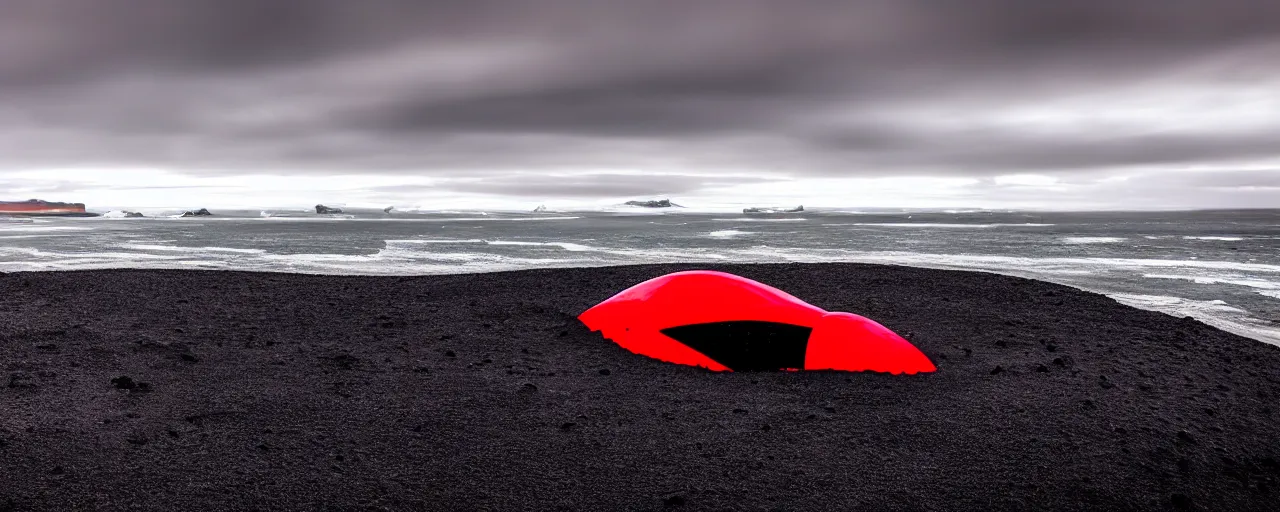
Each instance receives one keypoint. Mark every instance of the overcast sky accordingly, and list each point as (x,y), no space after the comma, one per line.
(988,103)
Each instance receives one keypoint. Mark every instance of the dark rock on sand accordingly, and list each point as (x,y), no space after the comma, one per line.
(124,382)
(197,213)
(322,209)
(21,380)
(355,418)
(127,383)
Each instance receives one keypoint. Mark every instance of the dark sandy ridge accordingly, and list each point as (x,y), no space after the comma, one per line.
(482,391)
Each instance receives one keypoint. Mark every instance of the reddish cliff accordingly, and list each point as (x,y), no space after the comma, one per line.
(38,207)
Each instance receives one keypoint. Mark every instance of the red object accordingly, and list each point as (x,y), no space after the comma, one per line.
(726,322)
(38,207)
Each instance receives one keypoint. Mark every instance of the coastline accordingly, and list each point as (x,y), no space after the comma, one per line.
(51,214)
(483,391)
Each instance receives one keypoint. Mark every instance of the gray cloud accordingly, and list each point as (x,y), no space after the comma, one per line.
(997,152)
(596,185)
(47,187)
(558,87)
(1228,189)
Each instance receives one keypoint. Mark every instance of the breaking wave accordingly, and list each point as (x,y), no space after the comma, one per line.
(941,225)
(1092,240)
(1219,238)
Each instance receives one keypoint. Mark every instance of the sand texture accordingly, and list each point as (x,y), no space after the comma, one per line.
(201,390)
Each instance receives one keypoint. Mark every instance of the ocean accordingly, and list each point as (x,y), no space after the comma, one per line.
(1221,267)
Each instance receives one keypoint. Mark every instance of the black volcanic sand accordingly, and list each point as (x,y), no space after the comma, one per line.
(198,390)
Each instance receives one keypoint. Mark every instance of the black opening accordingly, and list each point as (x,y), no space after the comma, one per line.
(747,345)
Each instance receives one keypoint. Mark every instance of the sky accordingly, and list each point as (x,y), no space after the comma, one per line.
(1087,104)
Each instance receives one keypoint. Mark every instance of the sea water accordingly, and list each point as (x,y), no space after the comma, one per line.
(1221,267)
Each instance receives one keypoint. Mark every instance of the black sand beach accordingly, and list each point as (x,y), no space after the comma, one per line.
(197,390)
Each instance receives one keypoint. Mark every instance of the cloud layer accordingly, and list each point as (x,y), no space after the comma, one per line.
(574,97)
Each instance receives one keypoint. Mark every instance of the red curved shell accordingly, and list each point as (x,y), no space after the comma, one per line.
(635,317)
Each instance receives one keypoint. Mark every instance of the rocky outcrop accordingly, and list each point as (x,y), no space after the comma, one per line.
(44,208)
(661,203)
(541,208)
(203,212)
(132,215)
(322,209)
(388,209)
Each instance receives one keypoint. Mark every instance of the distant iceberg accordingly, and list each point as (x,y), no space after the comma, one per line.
(203,212)
(797,209)
(660,203)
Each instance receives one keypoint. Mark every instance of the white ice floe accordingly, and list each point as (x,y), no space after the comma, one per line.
(568,246)
(1092,239)
(752,219)
(727,233)
(1218,238)
(938,225)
